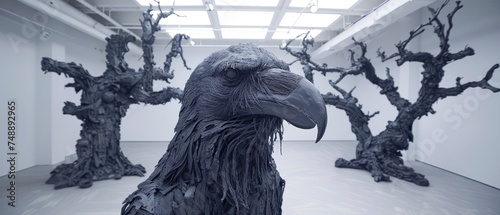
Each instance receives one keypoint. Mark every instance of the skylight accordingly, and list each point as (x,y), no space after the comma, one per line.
(244,33)
(308,20)
(171,2)
(329,4)
(238,3)
(285,33)
(195,33)
(188,18)
(245,18)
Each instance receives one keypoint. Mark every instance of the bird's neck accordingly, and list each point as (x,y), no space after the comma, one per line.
(240,153)
(232,157)
(242,141)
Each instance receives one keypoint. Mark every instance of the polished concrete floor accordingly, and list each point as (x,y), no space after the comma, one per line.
(314,187)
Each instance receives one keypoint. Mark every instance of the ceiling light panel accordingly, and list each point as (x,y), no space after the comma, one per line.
(285,33)
(245,18)
(238,3)
(244,33)
(170,2)
(308,20)
(195,33)
(187,18)
(329,4)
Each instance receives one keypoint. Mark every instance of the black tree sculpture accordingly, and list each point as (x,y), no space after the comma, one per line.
(381,154)
(219,161)
(104,102)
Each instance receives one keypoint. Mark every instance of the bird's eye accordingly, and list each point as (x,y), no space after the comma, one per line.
(231,74)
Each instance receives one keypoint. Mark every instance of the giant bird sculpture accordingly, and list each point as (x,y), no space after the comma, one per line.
(219,161)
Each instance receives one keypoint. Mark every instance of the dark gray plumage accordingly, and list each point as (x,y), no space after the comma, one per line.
(219,161)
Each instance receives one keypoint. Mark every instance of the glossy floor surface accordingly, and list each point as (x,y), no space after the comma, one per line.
(313,187)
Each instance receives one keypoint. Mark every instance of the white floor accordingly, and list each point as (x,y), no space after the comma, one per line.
(314,187)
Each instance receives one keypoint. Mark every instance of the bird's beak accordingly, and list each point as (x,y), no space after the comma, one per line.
(301,104)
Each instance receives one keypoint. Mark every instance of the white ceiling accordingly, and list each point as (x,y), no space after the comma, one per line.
(265,22)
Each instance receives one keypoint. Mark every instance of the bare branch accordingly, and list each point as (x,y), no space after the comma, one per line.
(309,65)
(149,27)
(450,22)
(296,60)
(299,55)
(407,56)
(383,57)
(457,81)
(372,115)
(73,70)
(176,50)
(344,93)
(359,120)
(162,15)
(401,46)
(361,45)
(350,91)
(160,75)
(459,88)
(165,95)
(387,87)
(449,57)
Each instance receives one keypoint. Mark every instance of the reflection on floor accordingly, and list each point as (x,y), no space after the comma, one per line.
(313,187)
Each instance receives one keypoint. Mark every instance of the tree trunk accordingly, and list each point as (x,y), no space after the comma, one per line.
(98,149)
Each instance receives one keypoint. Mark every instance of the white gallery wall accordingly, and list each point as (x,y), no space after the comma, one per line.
(18,82)
(458,140)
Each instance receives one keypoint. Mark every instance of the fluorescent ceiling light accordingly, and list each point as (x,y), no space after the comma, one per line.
(170,2)
(329,4)
(244,33)
(308,19)
(245,18)
(285,33)
(258,3)
(195,33)
(188,18)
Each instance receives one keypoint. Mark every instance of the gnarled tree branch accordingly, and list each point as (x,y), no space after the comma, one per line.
(150,26)
(305,59)
(408,56)
(460,88)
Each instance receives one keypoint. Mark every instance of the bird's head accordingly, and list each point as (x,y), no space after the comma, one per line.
(245,81)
